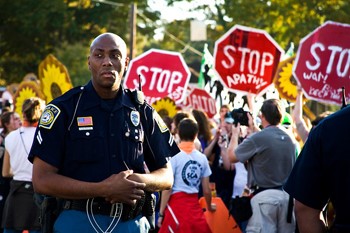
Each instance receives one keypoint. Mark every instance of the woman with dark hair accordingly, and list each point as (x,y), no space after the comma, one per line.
(10,121)
(204,134)
(20,211)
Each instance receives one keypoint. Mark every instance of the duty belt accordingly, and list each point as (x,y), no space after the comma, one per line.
(100,206)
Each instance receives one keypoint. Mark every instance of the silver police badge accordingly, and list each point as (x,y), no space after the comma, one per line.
(135,118)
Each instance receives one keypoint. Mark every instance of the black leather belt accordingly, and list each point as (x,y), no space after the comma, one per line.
(99,206)
(260,189)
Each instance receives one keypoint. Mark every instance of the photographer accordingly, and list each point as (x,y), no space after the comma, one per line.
(270,154)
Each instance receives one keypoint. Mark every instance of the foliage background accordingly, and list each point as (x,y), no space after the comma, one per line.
(31,29)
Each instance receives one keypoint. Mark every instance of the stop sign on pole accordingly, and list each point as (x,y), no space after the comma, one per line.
(162,74)
(200,99)
(246,59)
(322,64)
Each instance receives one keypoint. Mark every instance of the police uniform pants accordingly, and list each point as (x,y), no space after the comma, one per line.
(270,208)
(73,221)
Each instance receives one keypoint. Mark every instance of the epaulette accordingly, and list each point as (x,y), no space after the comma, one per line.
(72,92)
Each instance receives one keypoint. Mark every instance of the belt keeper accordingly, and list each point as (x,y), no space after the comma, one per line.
(67,205)
(113,210)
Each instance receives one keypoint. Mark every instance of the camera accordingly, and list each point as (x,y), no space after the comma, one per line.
(237,116)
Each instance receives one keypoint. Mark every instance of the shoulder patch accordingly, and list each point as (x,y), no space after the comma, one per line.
(162,126)
(49,116)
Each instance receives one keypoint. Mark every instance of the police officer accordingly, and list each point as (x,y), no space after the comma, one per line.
(322,174)
(92,144)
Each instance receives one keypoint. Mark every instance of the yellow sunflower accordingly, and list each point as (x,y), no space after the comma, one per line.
(284,80)
(165,107)
(26,90)
(54,78)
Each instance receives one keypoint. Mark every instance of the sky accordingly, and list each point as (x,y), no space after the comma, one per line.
(179,10)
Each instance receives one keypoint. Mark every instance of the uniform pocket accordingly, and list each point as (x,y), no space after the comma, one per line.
(86,146)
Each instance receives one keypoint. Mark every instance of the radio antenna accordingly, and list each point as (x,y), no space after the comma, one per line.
(140,86)
(344,97)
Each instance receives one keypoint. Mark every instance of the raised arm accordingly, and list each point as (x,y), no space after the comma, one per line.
(297,116)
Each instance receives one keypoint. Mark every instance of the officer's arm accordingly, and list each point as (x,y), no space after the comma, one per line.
(46,180)
(157,180)
(308,219)
(116,188)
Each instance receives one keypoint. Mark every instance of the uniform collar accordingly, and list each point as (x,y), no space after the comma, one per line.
(92,99)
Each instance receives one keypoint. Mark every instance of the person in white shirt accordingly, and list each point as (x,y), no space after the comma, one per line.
(20,211)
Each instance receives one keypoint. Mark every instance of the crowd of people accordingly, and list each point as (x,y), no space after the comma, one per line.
(99,153)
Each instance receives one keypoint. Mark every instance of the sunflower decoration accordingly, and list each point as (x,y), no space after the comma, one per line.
(54,78)
(165,107)
(12,88)
(26,90)
(284,81)
(31,77)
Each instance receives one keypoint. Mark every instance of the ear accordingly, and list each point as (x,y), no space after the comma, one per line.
(88,59)
(127,59)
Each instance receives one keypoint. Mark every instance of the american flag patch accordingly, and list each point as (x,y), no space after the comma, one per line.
(84,121)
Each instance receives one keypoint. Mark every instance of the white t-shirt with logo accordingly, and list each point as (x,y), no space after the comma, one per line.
(189,169)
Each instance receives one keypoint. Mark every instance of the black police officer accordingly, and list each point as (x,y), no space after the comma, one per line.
(91,147)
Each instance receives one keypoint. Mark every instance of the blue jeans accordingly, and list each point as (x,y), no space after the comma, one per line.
(73,221)
(18,231)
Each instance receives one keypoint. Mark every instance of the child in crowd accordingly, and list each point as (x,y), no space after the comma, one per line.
(179,208)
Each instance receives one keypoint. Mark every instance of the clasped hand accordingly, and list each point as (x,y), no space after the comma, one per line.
(120,188)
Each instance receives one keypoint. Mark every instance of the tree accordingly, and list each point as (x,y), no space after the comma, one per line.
(285,20)
(31,29)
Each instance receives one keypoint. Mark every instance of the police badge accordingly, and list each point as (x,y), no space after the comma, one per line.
(135,118)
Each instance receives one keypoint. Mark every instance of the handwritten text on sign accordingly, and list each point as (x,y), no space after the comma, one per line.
(338,63)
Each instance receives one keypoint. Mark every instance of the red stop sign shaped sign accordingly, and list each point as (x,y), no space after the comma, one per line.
(322,64)
(162,74)
(246,59)
(200,99)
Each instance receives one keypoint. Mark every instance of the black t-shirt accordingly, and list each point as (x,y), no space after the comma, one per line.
(322,170)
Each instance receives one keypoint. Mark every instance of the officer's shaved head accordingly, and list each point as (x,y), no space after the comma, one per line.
(120,43)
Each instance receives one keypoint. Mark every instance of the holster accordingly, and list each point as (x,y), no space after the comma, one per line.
(149,208)
(146,205)
(131,212)
(49,211)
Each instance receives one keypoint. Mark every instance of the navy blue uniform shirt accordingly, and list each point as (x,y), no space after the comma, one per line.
(322,170)
(89,139)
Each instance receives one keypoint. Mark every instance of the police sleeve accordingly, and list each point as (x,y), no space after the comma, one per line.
(48,143)
(159,144)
